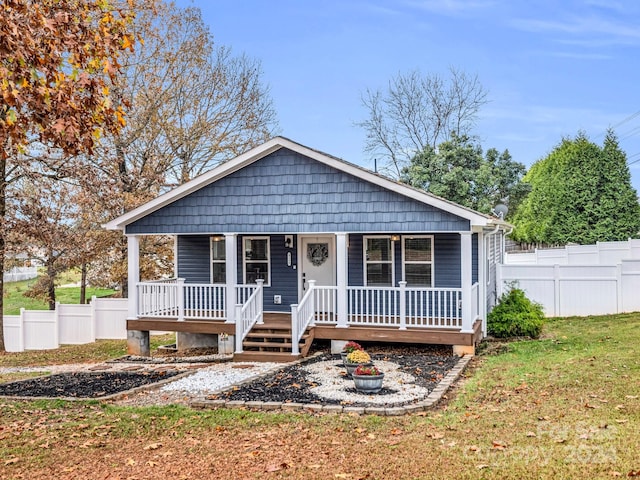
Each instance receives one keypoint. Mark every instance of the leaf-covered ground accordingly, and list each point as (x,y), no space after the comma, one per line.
(563,407)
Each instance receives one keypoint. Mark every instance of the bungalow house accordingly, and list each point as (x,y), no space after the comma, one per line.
(285,244)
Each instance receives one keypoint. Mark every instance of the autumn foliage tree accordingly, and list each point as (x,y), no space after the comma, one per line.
(58,61)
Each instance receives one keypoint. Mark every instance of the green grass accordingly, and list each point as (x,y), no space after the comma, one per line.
(565,406)
(14,298)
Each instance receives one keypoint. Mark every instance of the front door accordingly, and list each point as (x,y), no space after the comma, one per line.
(318,262)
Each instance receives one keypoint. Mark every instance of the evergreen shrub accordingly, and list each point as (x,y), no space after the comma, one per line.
(515,316)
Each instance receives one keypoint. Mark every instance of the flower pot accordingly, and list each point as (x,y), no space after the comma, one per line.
(343,355)
(368,383)
(352,366)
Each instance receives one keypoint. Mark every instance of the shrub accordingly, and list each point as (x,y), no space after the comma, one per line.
(515,316)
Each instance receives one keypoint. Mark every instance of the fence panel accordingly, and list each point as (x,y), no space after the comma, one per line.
(18,274)
(75,324)
(110,316)
(566,290)
(13,333)
(40,329)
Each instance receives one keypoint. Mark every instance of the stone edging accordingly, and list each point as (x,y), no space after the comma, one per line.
(431,400)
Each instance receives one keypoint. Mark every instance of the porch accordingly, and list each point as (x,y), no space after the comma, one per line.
(385,314)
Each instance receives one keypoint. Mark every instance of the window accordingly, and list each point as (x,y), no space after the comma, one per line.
(417,253)
(218,260)
(378,261)
(255,259)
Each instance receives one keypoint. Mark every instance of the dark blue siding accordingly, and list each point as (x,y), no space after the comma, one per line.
(284,278)
(447,260)
(288,192)
(194,262)
(356,258)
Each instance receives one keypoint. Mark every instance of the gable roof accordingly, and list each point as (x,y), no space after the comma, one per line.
(224,169)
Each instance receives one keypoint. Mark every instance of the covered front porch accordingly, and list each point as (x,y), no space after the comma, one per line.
(338,311)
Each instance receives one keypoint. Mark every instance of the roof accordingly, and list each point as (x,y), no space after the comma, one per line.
(226,168)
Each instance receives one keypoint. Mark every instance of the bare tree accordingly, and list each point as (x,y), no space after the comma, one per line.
(189,105)
(418,111)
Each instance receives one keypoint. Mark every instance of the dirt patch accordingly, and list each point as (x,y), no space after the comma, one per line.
(83,384)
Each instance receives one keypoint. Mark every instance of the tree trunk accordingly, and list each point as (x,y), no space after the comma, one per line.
(51,285)
(83,284)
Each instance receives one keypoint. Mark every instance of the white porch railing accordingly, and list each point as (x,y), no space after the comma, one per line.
(302,316)
(175,299)
(248,315)
(400,307)
(158,299)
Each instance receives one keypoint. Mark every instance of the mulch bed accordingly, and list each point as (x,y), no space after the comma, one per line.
(428,365)
(82,384)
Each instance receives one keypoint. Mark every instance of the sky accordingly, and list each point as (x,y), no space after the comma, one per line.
(551,68)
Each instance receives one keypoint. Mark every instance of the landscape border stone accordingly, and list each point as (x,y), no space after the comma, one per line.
(434,397)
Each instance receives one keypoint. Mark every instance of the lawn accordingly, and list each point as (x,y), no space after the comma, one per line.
(14,298)
(563,407)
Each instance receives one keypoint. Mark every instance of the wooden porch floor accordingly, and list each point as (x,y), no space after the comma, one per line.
(426,336)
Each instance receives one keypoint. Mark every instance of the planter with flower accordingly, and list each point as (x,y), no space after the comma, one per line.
(355,359)
(348,348)
(367,379)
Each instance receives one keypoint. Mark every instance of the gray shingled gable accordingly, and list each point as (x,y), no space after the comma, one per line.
(288,192)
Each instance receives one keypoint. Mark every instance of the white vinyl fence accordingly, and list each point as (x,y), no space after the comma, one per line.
(103,318)
(18,274)
(568,290)
(602,253)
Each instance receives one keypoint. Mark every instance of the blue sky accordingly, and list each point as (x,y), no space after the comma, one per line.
(551,68)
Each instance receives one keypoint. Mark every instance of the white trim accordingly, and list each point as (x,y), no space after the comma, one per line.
(431,262)
(212,239)
(277,143)
(392,262)
(267,282)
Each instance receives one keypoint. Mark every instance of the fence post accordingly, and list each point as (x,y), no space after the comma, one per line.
(22,331)
(312,286)
(56,321)
(180,295)
(403,305)
(556,290)
(260,300)
(239,327)
(295,349)
(93,317)
(620,300)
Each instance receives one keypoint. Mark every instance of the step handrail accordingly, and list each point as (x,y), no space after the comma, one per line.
(302,315)
(248,315)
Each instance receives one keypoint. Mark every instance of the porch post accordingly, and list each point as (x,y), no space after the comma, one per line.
(466,277)
(133,274)
(482,283)
(231,264)
(341,280)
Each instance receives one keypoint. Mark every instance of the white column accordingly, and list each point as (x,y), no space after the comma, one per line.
(133,272)
(482,282)
(231,254)
(341,280)
(466,277)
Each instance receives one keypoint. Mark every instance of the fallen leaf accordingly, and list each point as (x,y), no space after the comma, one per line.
(531,434)
(343,475)
(11,461)
(153,446)
(482,466)
(130,462)
(151,463)
(497,445)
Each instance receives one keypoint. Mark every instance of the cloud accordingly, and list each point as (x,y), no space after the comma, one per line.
(588,27)
(451,7)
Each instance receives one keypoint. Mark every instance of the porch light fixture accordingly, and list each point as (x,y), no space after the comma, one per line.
(288,241)
(395,238)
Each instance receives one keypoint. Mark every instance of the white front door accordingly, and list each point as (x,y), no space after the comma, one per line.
(317,262)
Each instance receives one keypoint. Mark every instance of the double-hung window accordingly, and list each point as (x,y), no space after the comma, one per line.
(255,259)
(378,261)
(417,260)
(218,260)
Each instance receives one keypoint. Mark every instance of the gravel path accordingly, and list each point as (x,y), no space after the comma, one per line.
(410,375)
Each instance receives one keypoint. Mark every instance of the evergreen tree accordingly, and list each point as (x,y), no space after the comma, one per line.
(580,193)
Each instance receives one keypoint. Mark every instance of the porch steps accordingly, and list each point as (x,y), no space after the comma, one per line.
(271,341)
